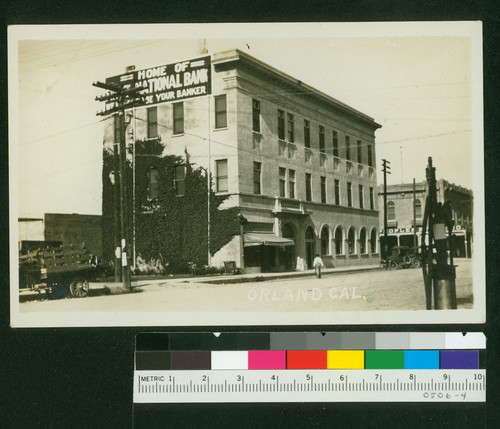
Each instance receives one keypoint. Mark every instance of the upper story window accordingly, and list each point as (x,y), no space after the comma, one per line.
(221,175)
(220,111)
(391,211)
(256,115)
(335,141)
(349,194)
(372,199)
(117,127)
(291,183)
(308,187)
(323,189)
(256,177)
(322,139)
(153,183)
(180,180)
(418,209)
(360,152)
(281,124)
(178,109)
(347,148)
(282,181)
(152,113)
(307,133)
(370,155)
(337,192)
(291,132)
(361,197)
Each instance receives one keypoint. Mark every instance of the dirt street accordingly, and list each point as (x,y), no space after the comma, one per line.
(355,291)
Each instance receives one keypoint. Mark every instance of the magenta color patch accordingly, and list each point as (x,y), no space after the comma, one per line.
(267,359)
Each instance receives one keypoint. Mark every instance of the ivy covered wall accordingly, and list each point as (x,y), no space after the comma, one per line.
(170,228)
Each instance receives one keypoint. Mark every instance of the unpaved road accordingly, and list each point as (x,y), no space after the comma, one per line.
(356,291)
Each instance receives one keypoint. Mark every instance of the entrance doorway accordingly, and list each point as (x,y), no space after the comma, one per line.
(310,246)
(288,252)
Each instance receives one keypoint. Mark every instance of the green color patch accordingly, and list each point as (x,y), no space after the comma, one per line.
(384,359)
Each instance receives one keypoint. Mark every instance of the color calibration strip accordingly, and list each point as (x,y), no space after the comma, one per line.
(309,367)
(307,359)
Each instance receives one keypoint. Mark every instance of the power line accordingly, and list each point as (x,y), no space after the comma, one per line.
(62,132)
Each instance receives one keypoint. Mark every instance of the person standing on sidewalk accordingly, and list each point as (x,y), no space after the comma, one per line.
(318,264)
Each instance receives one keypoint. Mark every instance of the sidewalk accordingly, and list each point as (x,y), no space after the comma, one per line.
(254,277)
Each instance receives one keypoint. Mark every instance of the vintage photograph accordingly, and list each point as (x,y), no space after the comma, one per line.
(251,174)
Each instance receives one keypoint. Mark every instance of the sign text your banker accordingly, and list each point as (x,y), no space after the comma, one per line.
(172,82)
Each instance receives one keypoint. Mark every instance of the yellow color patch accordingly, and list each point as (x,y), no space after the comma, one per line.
(346,359)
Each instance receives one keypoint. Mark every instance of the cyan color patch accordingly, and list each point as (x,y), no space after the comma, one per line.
(421,359)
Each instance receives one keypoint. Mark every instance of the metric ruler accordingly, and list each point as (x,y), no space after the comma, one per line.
(201,386)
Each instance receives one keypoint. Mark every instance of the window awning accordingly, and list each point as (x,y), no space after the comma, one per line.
(267,239)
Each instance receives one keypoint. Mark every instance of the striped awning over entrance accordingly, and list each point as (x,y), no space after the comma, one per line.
(267,239)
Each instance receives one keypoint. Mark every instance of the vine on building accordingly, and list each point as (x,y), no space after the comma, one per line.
(171,219)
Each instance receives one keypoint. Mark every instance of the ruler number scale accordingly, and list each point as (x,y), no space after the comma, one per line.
(309,386)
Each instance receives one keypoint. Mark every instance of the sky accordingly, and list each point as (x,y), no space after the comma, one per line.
(422,86)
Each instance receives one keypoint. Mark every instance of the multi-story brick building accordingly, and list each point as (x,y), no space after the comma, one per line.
(406,230)
(298,164)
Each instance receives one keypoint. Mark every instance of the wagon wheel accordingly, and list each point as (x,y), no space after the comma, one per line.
(393,265)
(416,263)
(79,288)
(407,260)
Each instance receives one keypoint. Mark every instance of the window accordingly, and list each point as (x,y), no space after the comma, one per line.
(372,200)
(351,241)
(337,192)
(256,115)
(282,183)
(323,189)
(291,134)
(391,211)
(325,241)
(178,109)
(335,144)
(220,111)
(221,184)
(349,194)
(370,155)
(281,125)
(256,177)
(152,113)
(373,241)
(307,134)
(361,197)
(291,183)
(347,148)
(339,248)
(362,241)
(360,153)
(308,187)
(418,209)
(117,127)
(180,180)
(153,183)
(322,139)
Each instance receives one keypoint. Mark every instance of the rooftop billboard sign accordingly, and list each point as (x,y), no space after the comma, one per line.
(168,83)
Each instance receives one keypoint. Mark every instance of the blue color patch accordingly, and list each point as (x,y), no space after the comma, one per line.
(422,359)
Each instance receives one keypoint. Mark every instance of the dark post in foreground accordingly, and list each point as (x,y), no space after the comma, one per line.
(438,274)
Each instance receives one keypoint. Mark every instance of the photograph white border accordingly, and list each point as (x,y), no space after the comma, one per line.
(473,30)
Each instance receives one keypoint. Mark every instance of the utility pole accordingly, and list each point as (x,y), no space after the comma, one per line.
(116,196)
(117,101)
(386,170)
